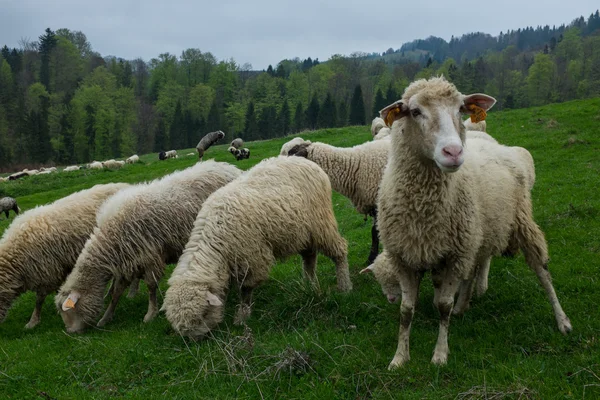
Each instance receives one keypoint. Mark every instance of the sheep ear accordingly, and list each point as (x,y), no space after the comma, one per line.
(393,112)
(479,100)
(367,270)
(213,300)
(300,150)
(71,300)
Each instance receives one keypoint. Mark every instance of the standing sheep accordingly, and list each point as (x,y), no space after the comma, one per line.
(208,140)
(378,129)
(237,143)
(40,247)
(138,232)
(133,159)
(287,209)
(73,168)
(171,154)
(92,165)
(354,172)
(446,208)
(7,204)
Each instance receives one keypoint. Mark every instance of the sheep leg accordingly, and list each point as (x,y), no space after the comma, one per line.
(309,264)
(117,290)
(134,287)
(534,247)
(245,307)
(482,277)
(35,317)
(445,283)
(337,250)
(152,300)
(465,293)
(374,241)
(409,283)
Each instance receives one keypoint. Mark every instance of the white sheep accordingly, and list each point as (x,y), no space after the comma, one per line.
(46,170)
(138,232)
(287,209)
(475,126)
(133,159)
(171,154)
(93,165)
(40,247)
(384,133)
(376,125)
(237,143)
(113,164)
(7,204)
(72,168)
(3,178)
(447,208)
(354,172)
(33,172)
(190,154)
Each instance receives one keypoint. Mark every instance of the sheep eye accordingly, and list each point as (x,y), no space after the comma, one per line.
(415,112)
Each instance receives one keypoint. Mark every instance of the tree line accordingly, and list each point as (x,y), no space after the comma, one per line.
(61,102)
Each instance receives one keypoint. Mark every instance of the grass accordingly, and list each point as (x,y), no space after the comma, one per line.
(303,344)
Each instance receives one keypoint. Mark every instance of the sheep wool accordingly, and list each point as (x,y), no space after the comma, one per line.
(287,209)
(447,207)
(7,204)
(138,231)
(133,159)
(40,247)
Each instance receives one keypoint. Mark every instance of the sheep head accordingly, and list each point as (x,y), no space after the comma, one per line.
(78,310)
(192,308)
(387,277)
(431,114)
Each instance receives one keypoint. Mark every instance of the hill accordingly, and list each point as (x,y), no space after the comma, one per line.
(303,344)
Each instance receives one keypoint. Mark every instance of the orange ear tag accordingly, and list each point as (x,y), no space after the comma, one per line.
(391,116)
(69,304)
(478,115)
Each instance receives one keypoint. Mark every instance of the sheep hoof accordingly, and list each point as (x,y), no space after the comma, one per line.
(564,325)
(398,362)
(150,315)
(131,294)
(32,324)
(242,315)
(439,358)
(103,321)
(480,290)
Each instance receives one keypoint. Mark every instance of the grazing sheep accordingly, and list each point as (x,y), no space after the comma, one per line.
(138,232)
(171,154)
(287,209)
(208,140)
(74,168)
(355,172)
(7,204)
(17,175)
(162,155)
(447,208)
(33,172)
(133,159)
(93,165)
(475,126)
(237,143)
(51,169)
(232,150)
(40,247)
(113,164)
(242,154)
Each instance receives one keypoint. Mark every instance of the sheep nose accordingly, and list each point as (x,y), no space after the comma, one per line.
(452,151)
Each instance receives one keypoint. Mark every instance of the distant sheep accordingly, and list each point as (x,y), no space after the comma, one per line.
(208,140)
(237,143)
(7,204)
(94,165)
(286,207)
(355,172)
(475,126)
(379,130)
(40,247)
(51,169)
(17,175)
(133,159)
(242,154)
(113,164)
(162,155)
(138,232)
(72,168)
(171,154)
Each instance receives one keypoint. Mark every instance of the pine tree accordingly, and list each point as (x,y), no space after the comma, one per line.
(160,139)
(284,120)
(270,70)
(251,126)
(47,44)
(266,123)
(299,123)
(342,114)
(328,113)
(379,103)
(177,132)
(391,95)
(357,107)
(41,132)
(213,121)
(312,113)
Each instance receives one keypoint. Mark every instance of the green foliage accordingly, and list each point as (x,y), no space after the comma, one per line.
(357,107)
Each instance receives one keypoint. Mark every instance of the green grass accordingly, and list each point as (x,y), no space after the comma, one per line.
(302,344)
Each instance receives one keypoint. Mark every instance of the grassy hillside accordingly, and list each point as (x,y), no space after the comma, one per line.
(303,344)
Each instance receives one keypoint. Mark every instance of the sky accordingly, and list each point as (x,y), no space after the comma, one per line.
(263,32)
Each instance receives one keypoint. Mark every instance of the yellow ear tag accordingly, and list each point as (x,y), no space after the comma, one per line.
(391,115)
(69,304)
(478,115)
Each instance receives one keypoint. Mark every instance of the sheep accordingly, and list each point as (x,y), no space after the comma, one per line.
(93,165)
(17,175)
(242,154)
(377,125)
(208,140)
(384,133)
(138,232)
(354,172)
(40,247)
(171,154)
(190,154)
(113,164)
(3,178)
(475,126)
(232,150)
(72,168)
(33,172)
(7,204)
(46,170)
(162,155)
(133,159)
(447,208)
(287,209)
(237,143)
(285,149)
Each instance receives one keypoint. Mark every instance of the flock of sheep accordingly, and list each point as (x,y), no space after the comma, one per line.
(443,200)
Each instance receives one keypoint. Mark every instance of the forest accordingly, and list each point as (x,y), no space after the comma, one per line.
(62,103)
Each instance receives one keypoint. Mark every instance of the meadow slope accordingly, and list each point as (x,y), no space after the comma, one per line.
(308,345)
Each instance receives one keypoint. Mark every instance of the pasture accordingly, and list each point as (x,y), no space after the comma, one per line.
(305,344)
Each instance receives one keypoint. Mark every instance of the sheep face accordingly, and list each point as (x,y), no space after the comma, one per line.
(431,111)
(385,275)
(192,309)
(77,310)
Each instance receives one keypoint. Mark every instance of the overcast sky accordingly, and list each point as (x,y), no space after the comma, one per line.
(263,32)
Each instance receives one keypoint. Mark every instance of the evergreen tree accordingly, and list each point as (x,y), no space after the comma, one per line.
(266,123)
(127,75)
(391,96)
(177,132)
(47,44)
(251,126)
(357,107)
(213,121)
(270,70)
(299,121)
(342,113)
(280,72)
(380,102)
(327,114)
(312,113)
(284,120)
(160,139)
